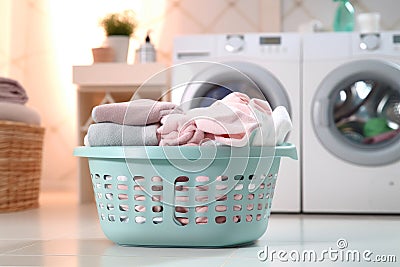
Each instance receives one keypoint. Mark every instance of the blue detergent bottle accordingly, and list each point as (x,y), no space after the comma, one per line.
(344,17)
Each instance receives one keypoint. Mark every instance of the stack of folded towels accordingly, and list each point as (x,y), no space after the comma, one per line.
(235,121)
(12,103)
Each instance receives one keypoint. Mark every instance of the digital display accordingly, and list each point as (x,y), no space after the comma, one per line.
(396,39)
(270,40)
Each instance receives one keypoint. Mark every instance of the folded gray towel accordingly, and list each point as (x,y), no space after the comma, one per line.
(111,134)
(12,91)
(17,112)
(136,112)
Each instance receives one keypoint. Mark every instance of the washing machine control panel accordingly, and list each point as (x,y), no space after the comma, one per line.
(369,41)
(234,43)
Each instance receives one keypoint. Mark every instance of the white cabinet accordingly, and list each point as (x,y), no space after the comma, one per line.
(112,82)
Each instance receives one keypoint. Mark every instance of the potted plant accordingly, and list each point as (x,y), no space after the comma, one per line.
(118,28)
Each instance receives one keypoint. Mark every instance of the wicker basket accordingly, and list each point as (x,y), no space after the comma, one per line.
(20,165)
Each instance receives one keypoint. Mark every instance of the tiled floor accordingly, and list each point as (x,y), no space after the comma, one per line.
(63,233)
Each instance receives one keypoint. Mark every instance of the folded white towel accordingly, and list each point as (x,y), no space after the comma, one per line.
(265,134)
(283,124)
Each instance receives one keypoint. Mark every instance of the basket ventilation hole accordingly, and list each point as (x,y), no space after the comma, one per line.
(97,176)
(237,196)
(107,177)
(249,218)
(108,186)
(239,187)
(157,208)
(259,206)
(157,220)
(140,208)
(109,196)
(138,188)
(140,219)
(181,209)
(156,198)
(123,207)
(111,218)
(122,187)
(182,220)
(110,206)
(202,179)
(250,207)
(252,186)
(262,186)
(182,179)
(99,195)
(201,209)
(102,216)
(98,185)
(222,178)
(251,176)
(221,198)
(220,219)
(124,219)
(122,178)
(138,179)
(221,208)
(267,195)
(156,179)
(237,207)
(238,177)
(236,219)
(101,205)
(258,217)
(139,197)
(250,196)
(269,185)
(261,196)
(181,188)
(122,196)
(201,198)
(201,220)
(157,188)
(221,187)
(202,187)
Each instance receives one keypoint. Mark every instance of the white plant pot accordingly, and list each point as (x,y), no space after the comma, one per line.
(120,45)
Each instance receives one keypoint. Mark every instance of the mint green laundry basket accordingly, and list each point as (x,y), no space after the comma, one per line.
(184,196)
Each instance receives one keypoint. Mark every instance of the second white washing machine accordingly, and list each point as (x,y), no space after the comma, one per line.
(351,122)
(261,65)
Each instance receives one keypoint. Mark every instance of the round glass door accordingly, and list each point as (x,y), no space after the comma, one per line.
(356,113)
(367,112)
(216,80)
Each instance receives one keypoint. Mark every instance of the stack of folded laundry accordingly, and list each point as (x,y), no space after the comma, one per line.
(235,120)
(12,103)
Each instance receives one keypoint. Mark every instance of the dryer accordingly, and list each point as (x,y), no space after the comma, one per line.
(262,65)
(351,120)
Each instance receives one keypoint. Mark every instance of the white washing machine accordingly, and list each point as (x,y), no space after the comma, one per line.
(262,65)
(351,120)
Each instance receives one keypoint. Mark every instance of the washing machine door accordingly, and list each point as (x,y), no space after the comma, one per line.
(220,79)
(356,112)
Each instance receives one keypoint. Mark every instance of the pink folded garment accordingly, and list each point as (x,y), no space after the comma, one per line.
(229,121)
(137,112)
(177,129)
(11,91)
